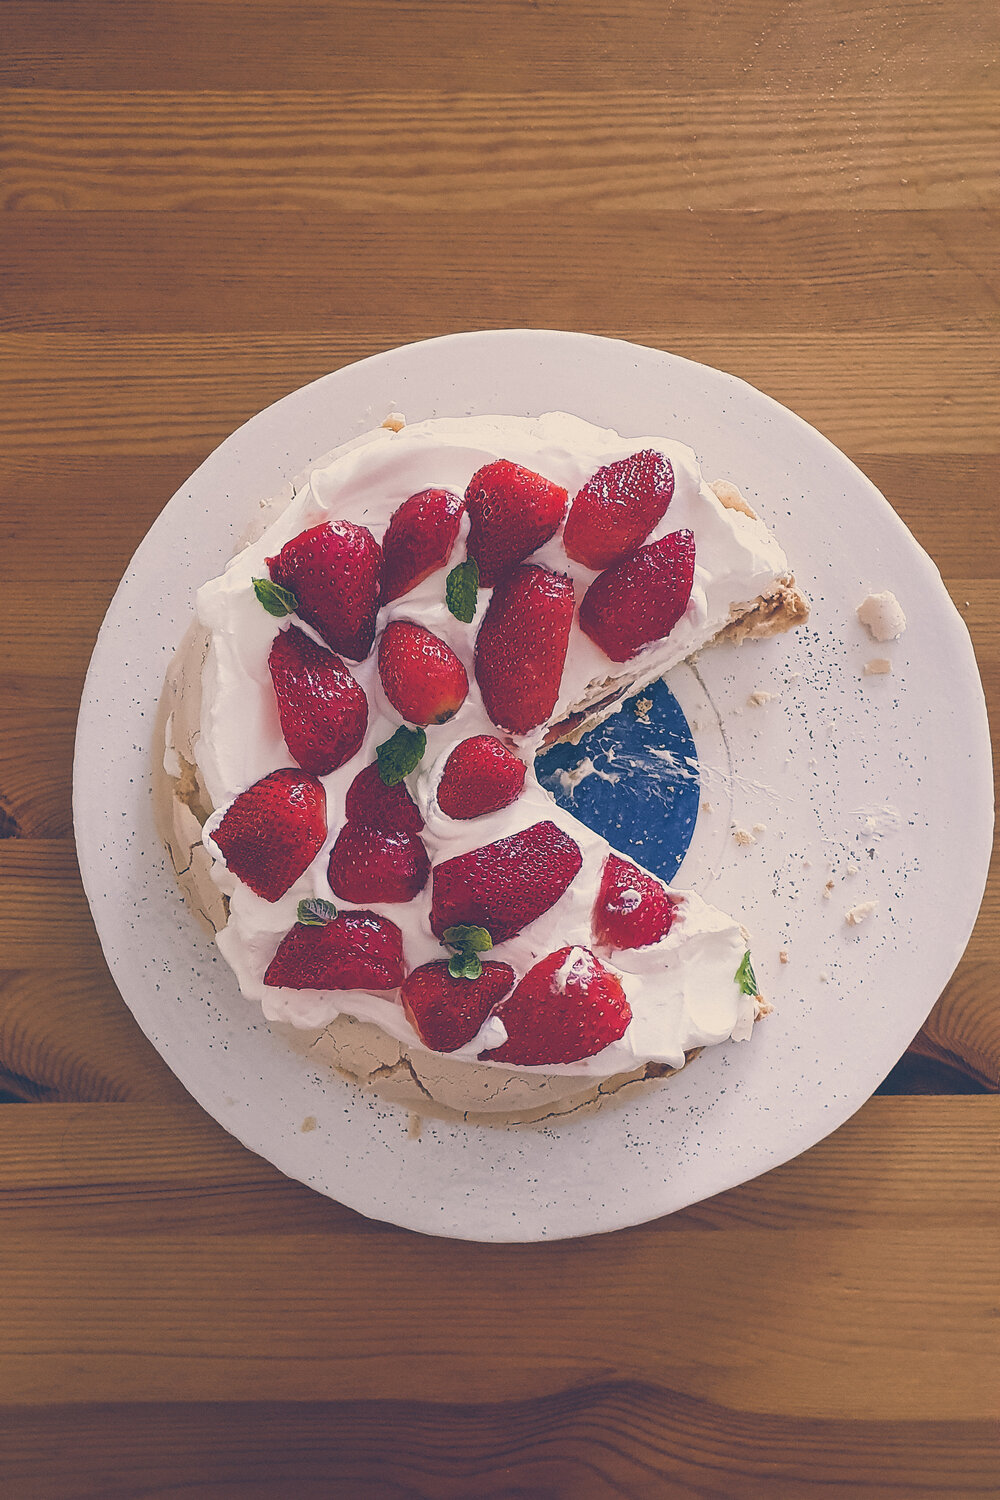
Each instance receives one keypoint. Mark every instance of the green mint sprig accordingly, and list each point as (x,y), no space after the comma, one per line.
(400,755)
(461,590)
(468,943)
(315,912)
(745,976)
(276,600)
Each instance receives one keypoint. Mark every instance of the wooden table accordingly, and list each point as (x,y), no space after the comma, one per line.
(208,203)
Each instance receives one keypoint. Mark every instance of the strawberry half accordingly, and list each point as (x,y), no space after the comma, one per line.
(447,1012)
(374,805)
(521,647)
(641,599)
(566,1007)
(632,908)
(367,864)
(618,508)
(480,776)
(505,885)
(272,832)
(512,511)
(323,711)
(423,678)
(358,950)
(418,540)
(334,572)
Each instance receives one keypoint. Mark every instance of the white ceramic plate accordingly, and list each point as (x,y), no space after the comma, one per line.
(887,775)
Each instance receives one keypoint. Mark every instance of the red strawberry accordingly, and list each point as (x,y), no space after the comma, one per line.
(374,805)
(419,540)
(618,508)
(423,678)
(448,1012)
(333,571)
(480,776)
(323,711)
(506,885)
(566,1007)
(512,510)
(356,951)
(641,599)
(367,864)
(273,831)
(632,908)
(521,647)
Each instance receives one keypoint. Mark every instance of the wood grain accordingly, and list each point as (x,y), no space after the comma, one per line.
(636,149)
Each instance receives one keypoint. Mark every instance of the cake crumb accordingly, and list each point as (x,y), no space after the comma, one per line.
(707,807)
(857,914)
(828,890)
(760,828)
(882,616)
(309,1123)
(759,697)
(743,837)
(879,666)
(414,1126)
(852,869)
(395,421)
(642,707)
(783,956)
(807,864)
(824,977)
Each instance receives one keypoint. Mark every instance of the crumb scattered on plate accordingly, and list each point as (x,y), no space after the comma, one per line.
(879,666)
(759,697)
(743,837)
(783,956)
(857,914)
(395,421)
(882,616)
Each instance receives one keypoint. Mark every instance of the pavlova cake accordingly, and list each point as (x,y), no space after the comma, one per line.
(348,790)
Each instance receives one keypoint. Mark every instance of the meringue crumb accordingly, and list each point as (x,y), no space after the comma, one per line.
(783,956)
(758,697)
(852,869)
(857,914)
(760,828)
(309,1123)
(879,666)
(882,616)
(642,707)
(743,837)
(828,890)
(824,977)
(395,421)
(414,1126)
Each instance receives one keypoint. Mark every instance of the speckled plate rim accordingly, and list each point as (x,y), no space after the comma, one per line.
(740,1110)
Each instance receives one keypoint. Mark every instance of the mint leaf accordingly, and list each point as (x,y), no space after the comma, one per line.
(276,600)
(464,966)
(461,590)
(398,756)
(745,976)
(315,912)
(469,939)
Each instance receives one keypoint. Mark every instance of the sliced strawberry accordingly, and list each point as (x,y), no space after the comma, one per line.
(566,1007)
(632,908)
(480,776)
(367,864)
(505,885)
(512,511)
(618,508)
(521,647)
(641,599)
(418,540)
(334,571)
(358,950)
(448,1012)
(323,711)
(423,678)
(272,832)
(374,805)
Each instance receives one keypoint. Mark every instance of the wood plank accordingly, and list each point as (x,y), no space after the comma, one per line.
(620,1438)
(114,1166)
(922,393)
(578,46)
(767,273)
(495,151)
(314,1315)
(42,505)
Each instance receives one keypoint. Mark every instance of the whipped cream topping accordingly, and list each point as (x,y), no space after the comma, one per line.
(682,990)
